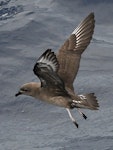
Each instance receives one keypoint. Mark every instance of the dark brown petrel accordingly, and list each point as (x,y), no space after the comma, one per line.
(57,73)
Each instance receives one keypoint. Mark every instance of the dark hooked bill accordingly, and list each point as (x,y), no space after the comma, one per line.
(17,94)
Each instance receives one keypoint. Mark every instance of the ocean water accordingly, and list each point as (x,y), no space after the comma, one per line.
(27,29)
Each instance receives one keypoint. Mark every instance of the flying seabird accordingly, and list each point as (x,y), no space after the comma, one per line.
(58,72)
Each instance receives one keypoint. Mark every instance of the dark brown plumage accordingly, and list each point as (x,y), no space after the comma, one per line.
(57,73)
(69,54)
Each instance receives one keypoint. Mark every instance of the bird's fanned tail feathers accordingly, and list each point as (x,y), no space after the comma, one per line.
(87,101)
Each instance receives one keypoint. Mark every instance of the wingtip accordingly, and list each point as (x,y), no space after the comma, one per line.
(49,58)
(48,51)
(91,16)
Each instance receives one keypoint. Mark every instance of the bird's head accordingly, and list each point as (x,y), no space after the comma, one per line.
(28,89)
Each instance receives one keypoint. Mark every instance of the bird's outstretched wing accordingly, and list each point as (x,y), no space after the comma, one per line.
(46,69)
(69,54)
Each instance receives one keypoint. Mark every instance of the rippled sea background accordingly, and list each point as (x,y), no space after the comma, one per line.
(27,29)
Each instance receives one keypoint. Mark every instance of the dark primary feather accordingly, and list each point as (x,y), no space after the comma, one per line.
(46,69)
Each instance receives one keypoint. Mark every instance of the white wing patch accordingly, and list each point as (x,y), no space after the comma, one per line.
(48,59)
(47,62)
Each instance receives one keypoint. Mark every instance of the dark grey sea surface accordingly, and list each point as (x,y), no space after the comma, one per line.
(27,29)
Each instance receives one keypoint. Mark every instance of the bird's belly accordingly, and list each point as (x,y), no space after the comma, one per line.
(59,101)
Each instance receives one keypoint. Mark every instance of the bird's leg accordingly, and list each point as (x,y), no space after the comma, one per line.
(81,113)
(73,120)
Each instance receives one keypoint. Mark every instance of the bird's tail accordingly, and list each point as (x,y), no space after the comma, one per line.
(86,101)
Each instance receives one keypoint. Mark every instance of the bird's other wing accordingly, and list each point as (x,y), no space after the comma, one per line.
(69,54)
(46,69)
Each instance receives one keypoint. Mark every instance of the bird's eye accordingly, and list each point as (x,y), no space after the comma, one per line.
(24,89)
